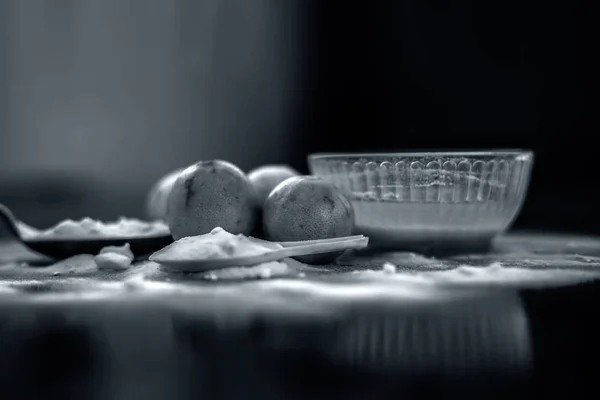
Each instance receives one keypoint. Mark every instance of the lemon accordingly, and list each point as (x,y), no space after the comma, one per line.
(156,202)
(307,208)
(209,194)
(266,178)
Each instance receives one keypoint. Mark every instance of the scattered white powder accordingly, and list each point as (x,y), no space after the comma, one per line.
(114,258)
(124,250)
(261,271)
(389,268)
(492,274)
(80,264)
(112,261)
(6,289)
(386,269)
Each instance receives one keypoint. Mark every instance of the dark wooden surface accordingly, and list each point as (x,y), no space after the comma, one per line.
(314,333)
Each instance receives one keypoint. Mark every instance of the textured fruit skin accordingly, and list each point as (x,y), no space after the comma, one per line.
(307,208)
(266,178)
(210,194)
(156,202)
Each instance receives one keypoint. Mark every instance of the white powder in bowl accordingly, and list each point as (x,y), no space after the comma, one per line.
(87,227)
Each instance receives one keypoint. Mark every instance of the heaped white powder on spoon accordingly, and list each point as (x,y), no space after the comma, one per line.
(217,244)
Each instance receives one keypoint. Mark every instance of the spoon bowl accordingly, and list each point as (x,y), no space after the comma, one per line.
(65,247)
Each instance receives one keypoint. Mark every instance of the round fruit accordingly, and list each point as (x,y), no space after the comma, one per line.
(266,178)
(211,194)
(307,208)
(156,202)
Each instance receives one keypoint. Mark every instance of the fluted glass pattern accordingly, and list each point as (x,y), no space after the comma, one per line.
(431,195)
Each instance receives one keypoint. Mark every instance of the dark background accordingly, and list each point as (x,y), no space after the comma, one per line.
(99,99)
(465,74)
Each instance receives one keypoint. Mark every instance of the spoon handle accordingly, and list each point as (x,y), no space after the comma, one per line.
(317,241)
(322,247)
(9,223)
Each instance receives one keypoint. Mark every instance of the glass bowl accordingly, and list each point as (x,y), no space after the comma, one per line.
(430,202)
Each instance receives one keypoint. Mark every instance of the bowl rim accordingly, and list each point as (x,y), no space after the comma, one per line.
(470,153)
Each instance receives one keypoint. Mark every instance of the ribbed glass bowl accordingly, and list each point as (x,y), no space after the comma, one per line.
(430,202)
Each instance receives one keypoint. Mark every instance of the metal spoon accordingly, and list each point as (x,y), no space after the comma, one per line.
(285,250)
(60,247)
